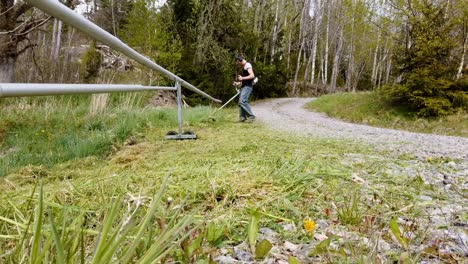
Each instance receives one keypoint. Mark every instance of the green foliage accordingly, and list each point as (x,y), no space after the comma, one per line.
(91,63)
(426,64)
(272,80)
(152,32)
(397,233)
(59,138)
(378,109)
(458,93)
(139,236)
(111,15)
(349,212)
(262,249)
(213,32)
(253,229)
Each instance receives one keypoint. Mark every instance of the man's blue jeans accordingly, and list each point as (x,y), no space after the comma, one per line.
(244,108)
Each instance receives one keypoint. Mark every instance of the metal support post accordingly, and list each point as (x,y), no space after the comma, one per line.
(179,107)
(181,135)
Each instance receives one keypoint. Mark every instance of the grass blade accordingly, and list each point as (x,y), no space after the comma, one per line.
(37,227)
(396,232)
(253,228)
(58,243)
(103,240)
(145,222)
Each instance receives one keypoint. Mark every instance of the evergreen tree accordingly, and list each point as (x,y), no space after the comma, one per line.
(425,63)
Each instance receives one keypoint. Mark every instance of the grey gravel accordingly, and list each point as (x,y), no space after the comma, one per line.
(288,114)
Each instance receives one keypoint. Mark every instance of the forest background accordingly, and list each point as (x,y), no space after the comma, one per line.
(413,51)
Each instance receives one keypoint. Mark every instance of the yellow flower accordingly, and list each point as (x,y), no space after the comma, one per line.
(309,225)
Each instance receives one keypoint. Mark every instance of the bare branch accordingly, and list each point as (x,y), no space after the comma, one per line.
(16,28)
(23,7)
(6,11)
(26,48)
(33,26)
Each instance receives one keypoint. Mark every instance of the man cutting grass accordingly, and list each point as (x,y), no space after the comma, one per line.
(245,80)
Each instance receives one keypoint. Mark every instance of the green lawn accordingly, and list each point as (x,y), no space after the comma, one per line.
(233,174)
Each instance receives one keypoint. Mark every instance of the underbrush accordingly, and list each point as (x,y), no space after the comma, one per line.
(373,109)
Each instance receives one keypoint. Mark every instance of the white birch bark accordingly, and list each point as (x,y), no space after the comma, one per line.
(58,41)
(374,64)
(54,35)
(462,61)
(318,22)
(336,61)
(327,45)
(275,31)
(301,46)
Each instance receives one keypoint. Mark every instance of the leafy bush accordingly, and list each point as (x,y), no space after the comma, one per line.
(426,64)
(272,80)
(91,63)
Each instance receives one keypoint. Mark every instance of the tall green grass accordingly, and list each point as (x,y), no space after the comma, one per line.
(48,131)
(372,108)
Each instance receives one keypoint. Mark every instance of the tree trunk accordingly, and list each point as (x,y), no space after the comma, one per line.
(302,34)
(54,38)
(275,32)
(350,71)
(462,62)
(336,62)
(327,46)
(318,22)
(374,64)
(7,69)
(58,40)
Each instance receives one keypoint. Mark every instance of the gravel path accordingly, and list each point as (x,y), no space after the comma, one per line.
(288,114)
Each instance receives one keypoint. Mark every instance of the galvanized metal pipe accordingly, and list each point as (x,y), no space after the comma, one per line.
(60,11)
(179,106)
(42,89)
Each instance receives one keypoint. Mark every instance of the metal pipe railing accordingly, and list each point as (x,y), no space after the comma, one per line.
(60,11)
(42,89)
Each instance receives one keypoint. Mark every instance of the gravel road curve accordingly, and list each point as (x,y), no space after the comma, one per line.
(288,114)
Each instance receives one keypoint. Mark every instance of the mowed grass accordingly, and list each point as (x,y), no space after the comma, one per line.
(92,207)
(370,108)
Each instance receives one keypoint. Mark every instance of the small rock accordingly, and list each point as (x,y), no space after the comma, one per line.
(275,250)
(243,255)
(451,164)
(282,261)
(223,251)
(267,231)
(225,260)
(425,198)
(358,179)
(290,246)
(446,182)
(320,237)
(321,224)
(383,246)
(268,234)
(289,227)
